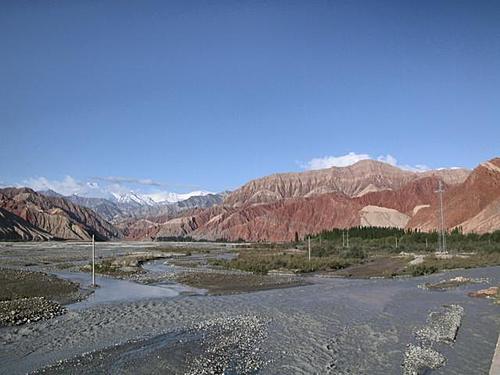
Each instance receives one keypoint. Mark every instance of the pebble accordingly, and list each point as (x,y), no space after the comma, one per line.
(27,310)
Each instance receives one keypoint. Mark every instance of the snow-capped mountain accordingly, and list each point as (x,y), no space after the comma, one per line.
(119,205)
(159,198)
(168,197)
(134,198)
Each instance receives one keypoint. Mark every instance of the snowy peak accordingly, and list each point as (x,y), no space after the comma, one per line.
(168,197)
(134,198)
(155,199)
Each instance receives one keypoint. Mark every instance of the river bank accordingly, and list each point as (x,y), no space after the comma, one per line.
(320,327)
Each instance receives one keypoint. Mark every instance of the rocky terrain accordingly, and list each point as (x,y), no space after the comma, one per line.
(128,210)
(58,217)
(28,310)
(441,327)
(278,208)
(13,227)
(355,180)
(472,205)
(369,193)
(27,297)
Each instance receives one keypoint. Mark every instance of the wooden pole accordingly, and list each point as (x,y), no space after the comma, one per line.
(93,260)
(309,246)
(347,241)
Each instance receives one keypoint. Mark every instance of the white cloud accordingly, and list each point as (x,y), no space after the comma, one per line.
(67,186)
(416,168)
(166,196)
(352,158)
(389,159)
(108,187)
(335,161)
(130,180)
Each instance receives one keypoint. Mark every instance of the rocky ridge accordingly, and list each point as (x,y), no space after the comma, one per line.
(56,216)
(282,206)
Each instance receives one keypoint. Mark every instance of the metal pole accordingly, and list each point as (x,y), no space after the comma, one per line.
(93,260)
(309,246)
(443,239)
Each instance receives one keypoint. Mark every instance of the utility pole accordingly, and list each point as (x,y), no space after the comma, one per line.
(347,238)
(343,239)
(93,261)
(396,242)
(309,247)
(440,191)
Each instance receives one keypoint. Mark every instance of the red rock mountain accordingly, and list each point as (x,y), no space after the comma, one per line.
(54,216)
(14,228)
(355,180)
(277,207)
(473,205)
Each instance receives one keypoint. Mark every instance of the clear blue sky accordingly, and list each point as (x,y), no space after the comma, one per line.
(211,94)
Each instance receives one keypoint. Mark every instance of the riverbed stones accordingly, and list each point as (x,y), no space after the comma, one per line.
(486,293)
(27,310)
(417,359)
(441,328)
(231,345)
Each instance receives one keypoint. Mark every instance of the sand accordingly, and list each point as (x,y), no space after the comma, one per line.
(375,216)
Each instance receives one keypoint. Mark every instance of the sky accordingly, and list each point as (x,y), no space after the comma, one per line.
(206,95)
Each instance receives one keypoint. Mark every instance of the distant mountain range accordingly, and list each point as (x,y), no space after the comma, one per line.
(368,193)
(29,215)
(273,208)
(33,216)
(13,227)
(135,205)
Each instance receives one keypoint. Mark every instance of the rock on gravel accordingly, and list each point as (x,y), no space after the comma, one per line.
(418,359)
(231,346)
(443,325)
(488,293)
(26,310)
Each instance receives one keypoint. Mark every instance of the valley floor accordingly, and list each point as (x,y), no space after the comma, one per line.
(314,325)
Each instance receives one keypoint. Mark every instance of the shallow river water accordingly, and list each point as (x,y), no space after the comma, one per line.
(112,290)
(337,326)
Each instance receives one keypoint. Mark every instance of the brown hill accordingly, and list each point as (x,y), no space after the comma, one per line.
(277,207)
(416,193)
(472,205)
(15,228)
(55,215)
(355,180)
(280,221)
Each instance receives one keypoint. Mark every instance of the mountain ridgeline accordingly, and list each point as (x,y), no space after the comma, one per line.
(282,207)
(48,215)
(54,217)
(279,207)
